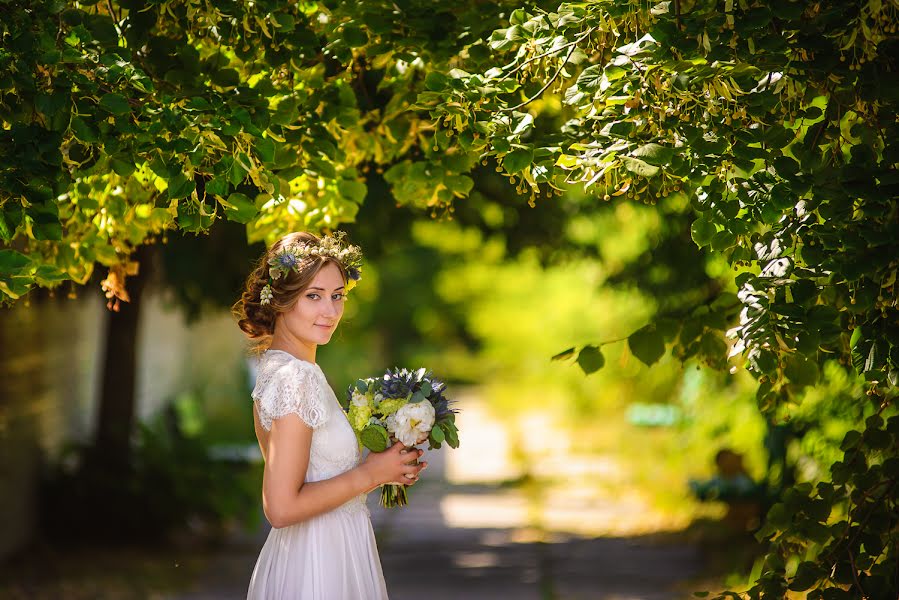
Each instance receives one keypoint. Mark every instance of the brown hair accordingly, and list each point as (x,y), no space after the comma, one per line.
(258,320)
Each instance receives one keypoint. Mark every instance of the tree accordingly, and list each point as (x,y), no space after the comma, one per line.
(775,124)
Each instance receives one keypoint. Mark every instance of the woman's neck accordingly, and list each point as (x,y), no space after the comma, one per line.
(301,350)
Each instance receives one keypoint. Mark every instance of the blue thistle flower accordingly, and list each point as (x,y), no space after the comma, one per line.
(353,273)
(398,383)
(287,260)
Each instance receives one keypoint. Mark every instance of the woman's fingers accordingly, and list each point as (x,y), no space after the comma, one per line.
(416,454)
(411,473)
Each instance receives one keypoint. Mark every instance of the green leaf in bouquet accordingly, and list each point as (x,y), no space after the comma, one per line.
(426,388)
(361,386)
(374,437)
(452,434)
(417,397)
(437,436)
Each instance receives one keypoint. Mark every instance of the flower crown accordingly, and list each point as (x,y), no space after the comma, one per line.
(292,257)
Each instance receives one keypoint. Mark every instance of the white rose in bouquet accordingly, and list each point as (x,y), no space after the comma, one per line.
(412,423)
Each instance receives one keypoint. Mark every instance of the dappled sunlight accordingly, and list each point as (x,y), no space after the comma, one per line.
(504,509)
(542,482)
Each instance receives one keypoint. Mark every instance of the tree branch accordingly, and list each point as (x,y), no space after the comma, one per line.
(554,77)
(547,53)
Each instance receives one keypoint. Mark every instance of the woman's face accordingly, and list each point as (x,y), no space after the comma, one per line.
(318,310)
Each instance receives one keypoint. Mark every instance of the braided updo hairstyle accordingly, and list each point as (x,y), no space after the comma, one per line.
(258,320)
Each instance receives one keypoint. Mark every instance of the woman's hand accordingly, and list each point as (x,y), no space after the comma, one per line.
(397,464)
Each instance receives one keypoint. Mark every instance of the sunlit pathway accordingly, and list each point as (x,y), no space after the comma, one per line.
(484,540)
(481,540)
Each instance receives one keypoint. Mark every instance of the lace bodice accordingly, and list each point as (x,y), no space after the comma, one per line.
(286,385)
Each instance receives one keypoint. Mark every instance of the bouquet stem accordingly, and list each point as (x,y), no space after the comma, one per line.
(393,495)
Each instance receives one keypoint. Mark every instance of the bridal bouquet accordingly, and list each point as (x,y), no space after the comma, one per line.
(403,405)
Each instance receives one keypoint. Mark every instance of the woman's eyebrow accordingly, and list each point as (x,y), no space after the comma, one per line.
(323,289)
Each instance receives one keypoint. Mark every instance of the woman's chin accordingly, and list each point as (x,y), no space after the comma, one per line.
(323,337)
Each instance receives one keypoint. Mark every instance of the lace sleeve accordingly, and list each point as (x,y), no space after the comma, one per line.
(290,388)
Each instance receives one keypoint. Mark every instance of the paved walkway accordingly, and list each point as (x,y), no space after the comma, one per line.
(424,557)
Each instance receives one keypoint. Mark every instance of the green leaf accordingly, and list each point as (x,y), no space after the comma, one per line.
(12,261)
(850,440)
(284,22)
(15,287)
(459,185)
(240,208)
(590,78)
(639,167)
(48,275)
(713,347)
(590,359)
(871,362)
(519,16)
(807,575)
(723,240)
(437,434)
(180,186)
(83,131)
(702,231)
(115,103)
(121,167)
(5,230)
(226,77)
(374,437)
(436,81)
(265,149)
(647,345)
(564,354)
(452,434)
(856,336)
(217,186)
(654,154)
(354,36)
(518,160)
(801,370)
(352,190)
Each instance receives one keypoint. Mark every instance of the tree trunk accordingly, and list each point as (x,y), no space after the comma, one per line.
(112,441)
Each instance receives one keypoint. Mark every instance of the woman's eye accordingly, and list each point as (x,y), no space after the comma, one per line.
(312,296)
(338,296)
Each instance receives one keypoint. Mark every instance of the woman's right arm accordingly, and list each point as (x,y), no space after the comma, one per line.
(287,499)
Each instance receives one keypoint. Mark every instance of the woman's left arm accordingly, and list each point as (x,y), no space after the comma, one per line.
(287,499)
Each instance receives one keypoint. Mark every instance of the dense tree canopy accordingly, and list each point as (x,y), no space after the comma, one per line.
(766,131)
(124,119)
(776,124)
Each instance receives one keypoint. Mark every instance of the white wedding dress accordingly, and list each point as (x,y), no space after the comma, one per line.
(332,556)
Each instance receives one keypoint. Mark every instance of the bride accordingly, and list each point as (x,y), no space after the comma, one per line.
(321,545)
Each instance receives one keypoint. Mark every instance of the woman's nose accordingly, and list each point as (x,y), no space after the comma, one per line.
(331,309)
